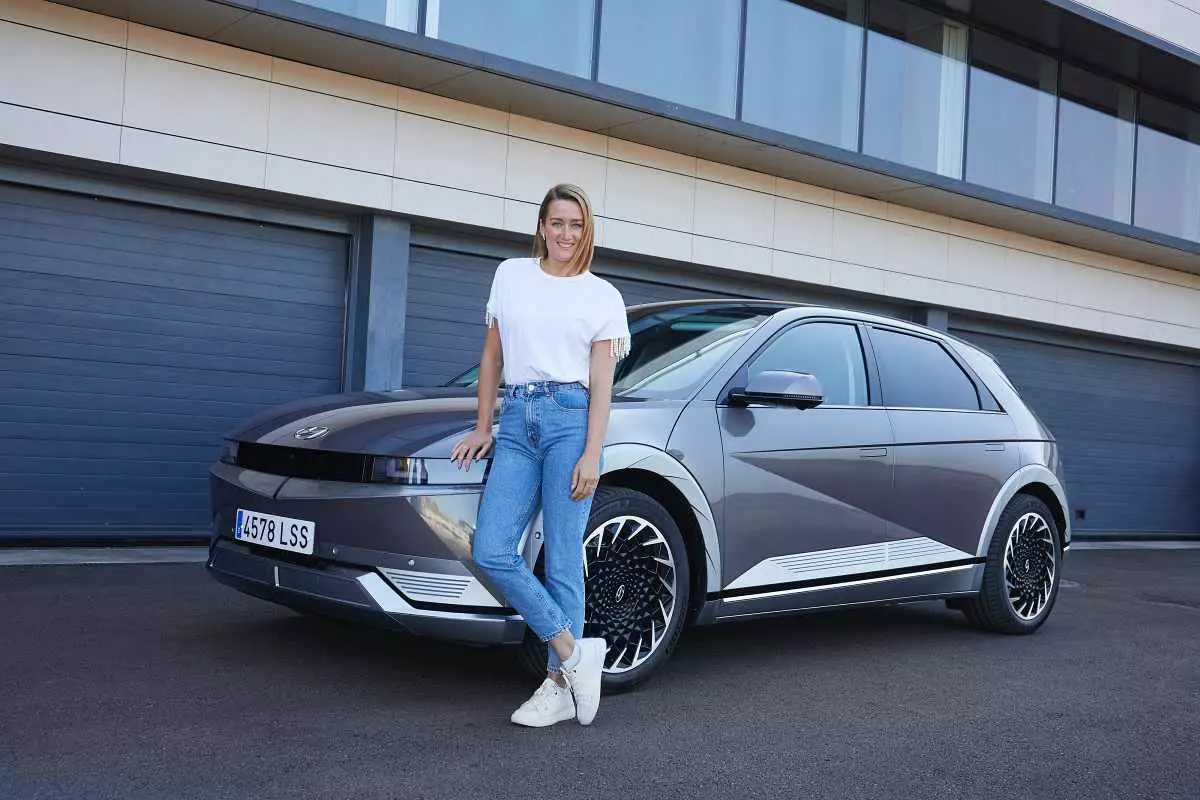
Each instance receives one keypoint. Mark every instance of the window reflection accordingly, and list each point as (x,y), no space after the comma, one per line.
(803,68)
(1095,145)
(1010,138)
(916,86)
(1168,169)
(396,13)
(550,33)
(684,51)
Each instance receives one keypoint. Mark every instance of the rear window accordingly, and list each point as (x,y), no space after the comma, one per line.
(916,372)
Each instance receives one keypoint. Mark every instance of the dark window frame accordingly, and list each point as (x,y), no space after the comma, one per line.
(741,376)
(985,399)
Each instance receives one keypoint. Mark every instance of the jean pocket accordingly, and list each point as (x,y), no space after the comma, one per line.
(573,398)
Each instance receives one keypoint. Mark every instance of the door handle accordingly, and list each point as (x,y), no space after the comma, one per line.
(994,448)
(872,452)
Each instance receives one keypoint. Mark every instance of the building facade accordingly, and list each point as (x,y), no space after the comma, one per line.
(209,207)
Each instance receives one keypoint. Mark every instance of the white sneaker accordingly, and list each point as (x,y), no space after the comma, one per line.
(584,678)
(551,703)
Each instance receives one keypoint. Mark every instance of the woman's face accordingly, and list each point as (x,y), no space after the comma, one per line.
(562,229)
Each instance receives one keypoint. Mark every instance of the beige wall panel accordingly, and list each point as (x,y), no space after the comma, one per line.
(1175,305)
(634,153)
(451,155)
(803,228)
(977,263)
(200,52)
(805,193)
(196,102)
(649,196)
(61,73)
(64,19)
(328,183)
(534,167)
(437,107)
(522,217)
(55,133)
(856,278)
(454,205)
(734,214)
(1070,316)
(351,87)
(889,245)
(796,267)
(1105,290)
(866,206)
(731,255)
(548,133)
(635,238)
(332,130)
(735,176)
(215,162)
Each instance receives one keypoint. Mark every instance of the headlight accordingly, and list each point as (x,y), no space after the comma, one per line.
(229,453)
(426,471)
(407,471)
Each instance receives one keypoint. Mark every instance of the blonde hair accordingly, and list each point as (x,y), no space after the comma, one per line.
(581,261)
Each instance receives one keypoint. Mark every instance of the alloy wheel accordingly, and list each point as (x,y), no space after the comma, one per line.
(1029,565)
(630,579)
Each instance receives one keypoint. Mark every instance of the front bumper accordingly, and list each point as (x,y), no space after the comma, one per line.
(396,557)
(356,594)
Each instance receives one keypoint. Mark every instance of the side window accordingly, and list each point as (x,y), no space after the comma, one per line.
(829,350)
(919,373)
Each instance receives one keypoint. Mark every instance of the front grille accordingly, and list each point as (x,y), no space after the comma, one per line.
(295,462)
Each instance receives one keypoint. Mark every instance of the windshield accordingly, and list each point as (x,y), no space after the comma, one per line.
(674,349)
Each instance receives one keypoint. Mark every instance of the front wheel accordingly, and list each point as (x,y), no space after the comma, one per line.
(1024,566)
(636,582)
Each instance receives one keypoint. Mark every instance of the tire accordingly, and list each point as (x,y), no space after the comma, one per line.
(1023,570)
(618,610)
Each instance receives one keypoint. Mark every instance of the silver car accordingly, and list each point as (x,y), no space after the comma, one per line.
(762,458)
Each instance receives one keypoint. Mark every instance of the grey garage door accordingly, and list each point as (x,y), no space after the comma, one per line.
(447,291)
(131,339)
(1128,428)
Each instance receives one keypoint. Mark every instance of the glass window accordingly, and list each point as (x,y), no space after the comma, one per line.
(550,33)
(916,88)
(804,67)
(1010,134)
(1095,145)
(1168,169)
(396,13)
(685,51)
(829,350)
(919,373)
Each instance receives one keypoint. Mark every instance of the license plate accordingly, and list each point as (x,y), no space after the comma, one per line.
(268,530)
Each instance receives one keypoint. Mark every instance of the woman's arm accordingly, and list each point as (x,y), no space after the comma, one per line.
(601,368)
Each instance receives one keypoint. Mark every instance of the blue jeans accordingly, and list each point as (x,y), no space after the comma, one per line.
(543,431)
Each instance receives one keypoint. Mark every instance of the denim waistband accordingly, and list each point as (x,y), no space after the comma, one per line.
(535,388)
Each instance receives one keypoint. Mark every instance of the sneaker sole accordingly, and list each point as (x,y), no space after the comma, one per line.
(583,716)
(541,723)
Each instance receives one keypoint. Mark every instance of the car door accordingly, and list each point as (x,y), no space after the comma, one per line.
(803,486)
(953,449)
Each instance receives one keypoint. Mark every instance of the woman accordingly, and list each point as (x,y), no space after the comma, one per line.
(555,331)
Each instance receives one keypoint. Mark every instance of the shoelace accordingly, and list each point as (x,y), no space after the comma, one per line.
(544,695)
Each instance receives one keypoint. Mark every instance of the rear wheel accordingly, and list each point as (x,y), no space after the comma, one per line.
(1024,566)
(636,577)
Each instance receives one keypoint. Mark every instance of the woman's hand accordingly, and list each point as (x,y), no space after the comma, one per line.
(475,446)
(585,477)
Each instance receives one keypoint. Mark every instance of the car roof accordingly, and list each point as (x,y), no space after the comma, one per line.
(808,309)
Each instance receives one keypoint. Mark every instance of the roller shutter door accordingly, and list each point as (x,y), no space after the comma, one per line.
(1128,428)
(131,339)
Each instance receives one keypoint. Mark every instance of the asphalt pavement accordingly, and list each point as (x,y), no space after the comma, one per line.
(152,681)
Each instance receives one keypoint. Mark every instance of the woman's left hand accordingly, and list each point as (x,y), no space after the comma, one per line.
(585,477)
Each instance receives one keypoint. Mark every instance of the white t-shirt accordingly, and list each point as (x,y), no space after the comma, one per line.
(547,323)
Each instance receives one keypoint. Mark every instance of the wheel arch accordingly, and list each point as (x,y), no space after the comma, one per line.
(1039,482)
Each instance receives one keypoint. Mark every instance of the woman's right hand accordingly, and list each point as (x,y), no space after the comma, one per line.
(475,446)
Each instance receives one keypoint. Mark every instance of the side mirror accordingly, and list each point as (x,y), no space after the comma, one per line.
(780,388)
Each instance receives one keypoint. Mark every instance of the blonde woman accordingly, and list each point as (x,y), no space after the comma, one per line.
(555,332)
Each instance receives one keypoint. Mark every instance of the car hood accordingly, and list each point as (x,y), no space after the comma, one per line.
(419,422)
